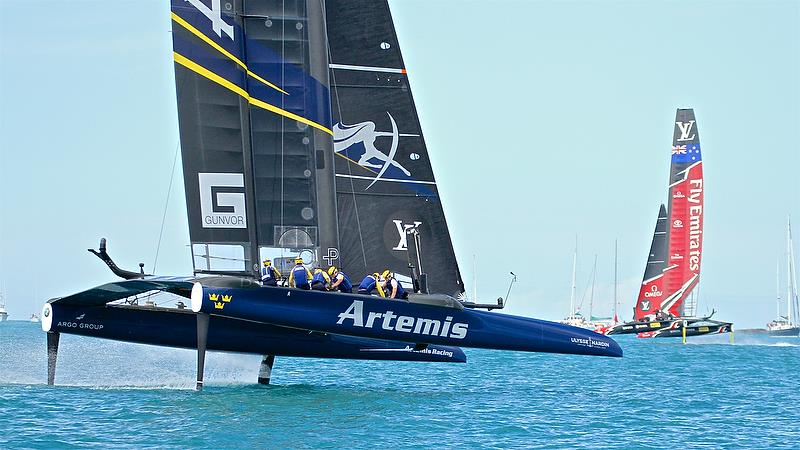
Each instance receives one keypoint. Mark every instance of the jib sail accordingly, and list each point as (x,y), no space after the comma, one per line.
(254,115)
(384,180)
(651,292)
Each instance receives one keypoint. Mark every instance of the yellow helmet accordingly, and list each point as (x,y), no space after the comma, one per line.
(298,260)
(387,274)
(331,270)
(267,262)
(376,275)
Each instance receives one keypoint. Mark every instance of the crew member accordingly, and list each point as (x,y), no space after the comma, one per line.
(269,274)
(392,287)
(371,283)
(340,280)
(320,281)
(300,277)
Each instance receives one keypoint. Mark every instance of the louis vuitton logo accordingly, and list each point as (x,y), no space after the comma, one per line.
(402,230)
(686,128)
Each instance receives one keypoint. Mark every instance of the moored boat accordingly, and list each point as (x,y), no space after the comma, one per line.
(787,325)
(3,312)
(575,318)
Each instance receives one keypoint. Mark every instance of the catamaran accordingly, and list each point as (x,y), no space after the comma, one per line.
(787,325)
(299,136)
(672,271)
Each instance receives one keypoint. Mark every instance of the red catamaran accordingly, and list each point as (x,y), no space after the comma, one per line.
(673,265)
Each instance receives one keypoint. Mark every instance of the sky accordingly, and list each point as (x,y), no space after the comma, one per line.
(545,121)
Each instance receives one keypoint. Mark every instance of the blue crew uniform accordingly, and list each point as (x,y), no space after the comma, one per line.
(369,284)
(393,285)
(300,277)
(270,276)
(344,284)
(320,280)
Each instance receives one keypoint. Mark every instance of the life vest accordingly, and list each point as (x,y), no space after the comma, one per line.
(368,284)
(320,277)
(269,274)
(300,275)
(401,293)
(345,285)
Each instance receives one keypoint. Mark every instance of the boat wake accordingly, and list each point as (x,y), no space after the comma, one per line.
(91,364)
(782,344)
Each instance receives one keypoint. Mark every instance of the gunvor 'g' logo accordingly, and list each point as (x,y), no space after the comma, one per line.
(222,200)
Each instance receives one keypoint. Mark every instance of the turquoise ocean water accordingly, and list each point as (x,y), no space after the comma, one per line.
(708,394)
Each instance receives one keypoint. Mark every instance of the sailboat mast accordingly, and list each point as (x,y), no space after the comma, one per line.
(789,316)
(591,293)
(794,288)
(778,288)
(574,266)
(615,281)
(792,279)
(474,279)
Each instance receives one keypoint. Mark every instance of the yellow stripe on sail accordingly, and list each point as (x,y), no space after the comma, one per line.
(202,71)
(219,48)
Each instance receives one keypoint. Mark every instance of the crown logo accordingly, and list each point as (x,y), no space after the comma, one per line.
(227,298)
(213,297)
(219,305)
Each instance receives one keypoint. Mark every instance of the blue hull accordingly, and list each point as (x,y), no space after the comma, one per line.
(374,317)
(178,328)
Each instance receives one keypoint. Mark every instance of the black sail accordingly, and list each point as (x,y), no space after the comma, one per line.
(254,116)
(384,180)
(657,258)
(651,292)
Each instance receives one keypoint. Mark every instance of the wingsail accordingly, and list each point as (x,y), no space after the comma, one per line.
(673,266)
(254,115)
(685,213)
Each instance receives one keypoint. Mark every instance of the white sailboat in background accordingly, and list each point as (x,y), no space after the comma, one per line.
(3,312)
(575,318)
(787,325)
(603,324)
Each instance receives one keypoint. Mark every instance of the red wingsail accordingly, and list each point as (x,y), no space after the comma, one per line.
(673,268)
